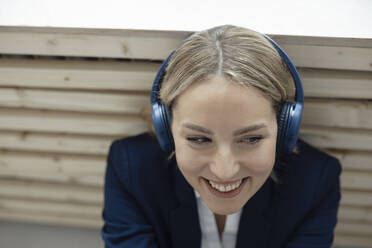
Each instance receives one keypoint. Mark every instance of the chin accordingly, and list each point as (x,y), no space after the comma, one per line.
(225,210)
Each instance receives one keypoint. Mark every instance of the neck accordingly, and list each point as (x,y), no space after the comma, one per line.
(220,221)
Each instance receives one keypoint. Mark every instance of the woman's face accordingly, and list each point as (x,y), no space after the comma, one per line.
(225,138)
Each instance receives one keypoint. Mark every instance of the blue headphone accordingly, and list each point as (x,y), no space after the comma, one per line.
(289,119)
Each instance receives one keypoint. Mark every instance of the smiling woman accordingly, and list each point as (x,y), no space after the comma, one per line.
(218,168)
(225,156)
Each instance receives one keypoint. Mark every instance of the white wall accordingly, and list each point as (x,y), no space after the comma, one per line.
(339,18)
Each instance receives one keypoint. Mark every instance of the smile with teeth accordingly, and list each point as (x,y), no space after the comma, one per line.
(225,188)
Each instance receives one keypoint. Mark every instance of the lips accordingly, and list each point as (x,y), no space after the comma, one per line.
(225,187)
(227,194)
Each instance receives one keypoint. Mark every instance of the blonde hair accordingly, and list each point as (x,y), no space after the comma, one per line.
(239,54)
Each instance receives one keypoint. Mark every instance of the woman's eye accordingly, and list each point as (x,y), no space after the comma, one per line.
(198,140)
(251,140)
(204,140)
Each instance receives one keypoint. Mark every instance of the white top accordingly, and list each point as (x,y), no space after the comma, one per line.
(209,230)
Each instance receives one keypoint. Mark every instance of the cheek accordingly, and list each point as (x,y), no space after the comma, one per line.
(262,161)
(187,158)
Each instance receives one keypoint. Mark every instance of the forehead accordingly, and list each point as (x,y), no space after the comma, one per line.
(217,98)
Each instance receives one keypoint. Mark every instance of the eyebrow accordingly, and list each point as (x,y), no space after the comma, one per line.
(237,132)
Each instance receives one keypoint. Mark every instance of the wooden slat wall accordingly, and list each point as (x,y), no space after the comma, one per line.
(65,94)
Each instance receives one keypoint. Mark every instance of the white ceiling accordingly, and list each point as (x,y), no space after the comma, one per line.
(338,18)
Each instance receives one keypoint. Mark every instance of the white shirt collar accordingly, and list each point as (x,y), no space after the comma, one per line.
(210,237)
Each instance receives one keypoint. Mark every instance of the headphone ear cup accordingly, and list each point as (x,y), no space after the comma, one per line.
(168,122)
(161,122)
(161,117)
(283,122)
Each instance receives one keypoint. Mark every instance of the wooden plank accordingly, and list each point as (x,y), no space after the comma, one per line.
(83,212)
(356,198)
(354,160)
(48,208)
(124,75)
(70,122)
(358,229)
(39,190)
(40,218)
(73,101)
(84,170)
(77,74)
(337,138)
(347,215)
(348,114)
(336,83)
(352,241)
(330,57)
(154,45)
(356,180)
(56,143)
(36,190)
(157,45)
(356,215)
(322,41)
(91,144)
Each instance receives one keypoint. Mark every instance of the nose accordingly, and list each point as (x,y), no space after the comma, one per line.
(224,165)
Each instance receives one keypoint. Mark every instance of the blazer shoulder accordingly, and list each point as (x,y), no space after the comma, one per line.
(316,162)
(309,166)
(308,196)
(137,157)
(138,141)
(312,157)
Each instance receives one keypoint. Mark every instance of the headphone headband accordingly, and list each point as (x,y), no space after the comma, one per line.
(299,96)
(159,78)
(288,123)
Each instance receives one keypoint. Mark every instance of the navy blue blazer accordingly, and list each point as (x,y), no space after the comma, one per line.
(148,202)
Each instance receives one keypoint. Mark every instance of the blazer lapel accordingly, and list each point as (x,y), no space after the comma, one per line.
(254,226)
(185,227)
